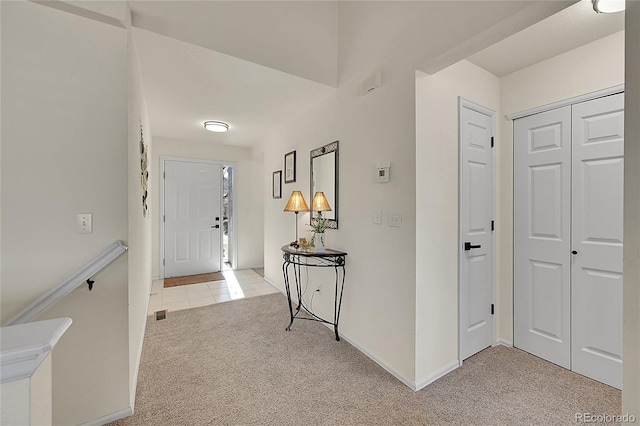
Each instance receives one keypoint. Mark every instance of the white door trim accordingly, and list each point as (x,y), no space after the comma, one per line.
(465,103)
(566,102)
(234,235)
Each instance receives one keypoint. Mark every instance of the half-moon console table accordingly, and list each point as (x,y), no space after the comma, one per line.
(312,259)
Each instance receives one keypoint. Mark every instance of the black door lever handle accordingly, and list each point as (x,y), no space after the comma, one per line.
(468,246)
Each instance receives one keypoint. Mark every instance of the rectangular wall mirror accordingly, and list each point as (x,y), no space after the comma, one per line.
(324,178)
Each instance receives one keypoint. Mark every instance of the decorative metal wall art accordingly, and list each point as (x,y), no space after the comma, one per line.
(144,173)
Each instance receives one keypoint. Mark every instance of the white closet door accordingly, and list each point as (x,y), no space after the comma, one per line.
(476,210)
(542,235)
(598,149)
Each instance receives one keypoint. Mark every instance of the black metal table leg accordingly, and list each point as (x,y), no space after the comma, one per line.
(285,273)
(330,258)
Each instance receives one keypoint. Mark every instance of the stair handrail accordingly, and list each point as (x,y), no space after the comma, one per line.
(83,275)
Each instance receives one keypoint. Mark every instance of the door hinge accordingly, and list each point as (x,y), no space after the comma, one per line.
(164,174)
(493,225)
(491,141)
(164,218)
(162,262)
(492,309)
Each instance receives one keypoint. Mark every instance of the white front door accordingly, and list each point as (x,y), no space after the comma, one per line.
(598,149)
(192,218)
(542,235)
(476,240)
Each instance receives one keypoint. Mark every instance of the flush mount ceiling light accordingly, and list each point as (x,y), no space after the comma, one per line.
(216,126)
(608,6)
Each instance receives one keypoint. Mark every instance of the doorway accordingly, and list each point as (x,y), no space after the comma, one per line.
(227,217)
(197,220)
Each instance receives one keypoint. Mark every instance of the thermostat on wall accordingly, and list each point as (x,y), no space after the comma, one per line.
(382,172)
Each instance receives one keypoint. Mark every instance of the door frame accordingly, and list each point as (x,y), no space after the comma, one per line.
(613,90)
(465,103)
(233,254)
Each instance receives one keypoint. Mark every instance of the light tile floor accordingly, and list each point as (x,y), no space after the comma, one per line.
(238,284)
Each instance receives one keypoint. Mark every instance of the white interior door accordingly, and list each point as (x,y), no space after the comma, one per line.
(542,235)
(476,240)
(192,218)
(598,149)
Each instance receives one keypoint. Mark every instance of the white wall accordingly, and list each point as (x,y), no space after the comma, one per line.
(437,249)
(378,308)
(589,68)
(140,231)
(248,185)
(64,108)
(28,401)
(631,322)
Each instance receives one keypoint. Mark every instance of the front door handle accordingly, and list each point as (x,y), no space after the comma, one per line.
(468,246)
(215,226)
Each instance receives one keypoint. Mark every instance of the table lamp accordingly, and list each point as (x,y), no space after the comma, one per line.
(296,204)
(320,204)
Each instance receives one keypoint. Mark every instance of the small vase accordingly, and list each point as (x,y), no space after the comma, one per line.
(318,242)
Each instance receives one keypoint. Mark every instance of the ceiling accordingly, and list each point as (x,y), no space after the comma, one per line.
(257,64)
(186,85)
(568,29)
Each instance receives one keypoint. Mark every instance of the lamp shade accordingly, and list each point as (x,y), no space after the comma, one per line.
(296,203)
(320,203)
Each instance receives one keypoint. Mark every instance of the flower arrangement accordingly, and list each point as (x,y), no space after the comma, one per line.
(318,226)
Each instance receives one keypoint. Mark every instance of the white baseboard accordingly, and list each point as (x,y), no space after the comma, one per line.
(506,343)
(277,288)
(254,267)
(410,383)
(125,412)
(377,360)
(362,349)
(438,374)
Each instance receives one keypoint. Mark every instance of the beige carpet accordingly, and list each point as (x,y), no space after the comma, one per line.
(193,279)
(234,364)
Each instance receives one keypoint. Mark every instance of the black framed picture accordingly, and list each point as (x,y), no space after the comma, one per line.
(276,184)
(290,167)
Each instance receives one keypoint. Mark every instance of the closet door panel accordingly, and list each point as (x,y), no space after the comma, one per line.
(597,229)
(542,203)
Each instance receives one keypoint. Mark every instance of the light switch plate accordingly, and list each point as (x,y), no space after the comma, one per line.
(84,223)
(395,219)
(377,216)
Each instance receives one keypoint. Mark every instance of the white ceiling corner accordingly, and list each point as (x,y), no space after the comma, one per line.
(566,30)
